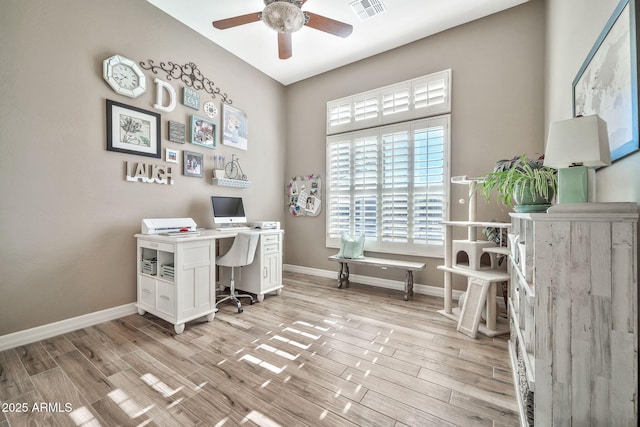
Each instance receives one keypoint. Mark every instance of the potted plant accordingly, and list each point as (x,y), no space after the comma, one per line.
(527,182)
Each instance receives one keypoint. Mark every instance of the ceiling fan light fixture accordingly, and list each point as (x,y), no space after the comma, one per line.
(283,16)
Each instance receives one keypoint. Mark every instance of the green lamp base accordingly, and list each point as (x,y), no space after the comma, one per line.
(573,184)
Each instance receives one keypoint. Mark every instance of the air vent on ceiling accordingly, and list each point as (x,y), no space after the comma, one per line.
(366,9)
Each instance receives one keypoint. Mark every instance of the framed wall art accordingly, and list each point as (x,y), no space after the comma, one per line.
(607,85)
(132,130)
(190,98)
(304,195)
(171,155)
(203,132)
(193,164)
(176,132)
(234,127)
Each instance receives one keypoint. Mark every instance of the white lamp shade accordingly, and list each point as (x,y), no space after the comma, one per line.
(582,140)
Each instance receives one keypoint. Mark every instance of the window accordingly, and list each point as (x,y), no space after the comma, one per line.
(390,182)
(409,100)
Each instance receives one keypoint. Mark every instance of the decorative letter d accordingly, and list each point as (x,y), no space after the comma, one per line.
(160,85)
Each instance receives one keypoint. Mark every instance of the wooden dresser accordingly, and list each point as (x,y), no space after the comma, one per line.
(573,315)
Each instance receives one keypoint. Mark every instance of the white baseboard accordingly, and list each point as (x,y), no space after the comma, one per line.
(311,271)
(38,333)
(435,291)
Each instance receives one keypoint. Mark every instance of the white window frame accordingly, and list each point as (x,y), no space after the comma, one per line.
(351,190)
(416,102)
(344,114)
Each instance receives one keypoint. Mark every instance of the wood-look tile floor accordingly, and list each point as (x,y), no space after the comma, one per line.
(315,355)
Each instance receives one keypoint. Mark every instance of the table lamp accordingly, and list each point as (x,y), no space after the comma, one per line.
(574,147)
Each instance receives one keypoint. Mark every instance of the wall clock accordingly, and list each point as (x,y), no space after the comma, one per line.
(124,76)
(210,109)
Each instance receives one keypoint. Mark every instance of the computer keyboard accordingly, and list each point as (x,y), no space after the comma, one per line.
(233,228)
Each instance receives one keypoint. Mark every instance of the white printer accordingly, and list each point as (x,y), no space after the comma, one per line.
(168,226)
(265,225)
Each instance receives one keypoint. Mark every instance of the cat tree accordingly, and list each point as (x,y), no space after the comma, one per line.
(478,261)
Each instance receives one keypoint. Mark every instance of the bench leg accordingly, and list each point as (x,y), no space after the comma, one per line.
(343,275)
(408,285)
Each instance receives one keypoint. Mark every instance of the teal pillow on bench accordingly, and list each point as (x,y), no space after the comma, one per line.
(351,247)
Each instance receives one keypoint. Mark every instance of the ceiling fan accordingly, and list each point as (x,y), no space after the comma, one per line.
(286,17)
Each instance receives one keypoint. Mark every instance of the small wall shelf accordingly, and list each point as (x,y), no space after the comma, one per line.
(231,182)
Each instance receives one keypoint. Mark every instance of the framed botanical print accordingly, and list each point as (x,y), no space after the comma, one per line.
(132,130)
(203,132)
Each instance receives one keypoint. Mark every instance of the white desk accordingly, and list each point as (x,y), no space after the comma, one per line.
(188,290)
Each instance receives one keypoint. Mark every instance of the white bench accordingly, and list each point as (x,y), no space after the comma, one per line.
(408,266)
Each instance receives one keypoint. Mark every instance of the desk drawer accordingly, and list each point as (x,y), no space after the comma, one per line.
(271,248)
(147,294)
(271,238)
(166,247)
(166,300)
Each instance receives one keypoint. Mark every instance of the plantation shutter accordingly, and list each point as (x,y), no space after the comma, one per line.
(395,185)
(339,187)
(365,107)
(430,94)
(409,100)
(429,182)
(388,183)
(339,113)
(365,178)
(387,166)
(395,99)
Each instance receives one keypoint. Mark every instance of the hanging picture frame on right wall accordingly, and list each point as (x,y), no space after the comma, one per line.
(607,82)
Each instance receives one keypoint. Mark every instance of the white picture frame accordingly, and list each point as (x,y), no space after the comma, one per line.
(235,127)
(171,155)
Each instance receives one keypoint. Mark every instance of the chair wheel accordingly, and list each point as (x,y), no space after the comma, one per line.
(251,302)
(240,310)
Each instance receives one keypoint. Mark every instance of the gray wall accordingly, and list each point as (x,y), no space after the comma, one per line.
(67,215)
(497,112)
(573,26)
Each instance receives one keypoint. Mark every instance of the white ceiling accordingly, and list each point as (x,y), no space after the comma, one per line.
(314,51)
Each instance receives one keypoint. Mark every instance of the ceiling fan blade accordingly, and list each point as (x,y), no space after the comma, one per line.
(223,24)
(329,25)
(284,45)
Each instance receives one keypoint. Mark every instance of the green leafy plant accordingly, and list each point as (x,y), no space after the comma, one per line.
(511,178)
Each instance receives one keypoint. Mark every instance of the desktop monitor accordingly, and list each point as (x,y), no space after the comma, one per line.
(227,210)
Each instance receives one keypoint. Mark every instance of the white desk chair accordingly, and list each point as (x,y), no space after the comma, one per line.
(241,253)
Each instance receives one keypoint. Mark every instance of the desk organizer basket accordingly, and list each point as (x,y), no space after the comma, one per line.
(167,271)
(150,266)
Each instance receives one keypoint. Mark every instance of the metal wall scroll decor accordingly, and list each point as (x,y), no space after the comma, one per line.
(189,74)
